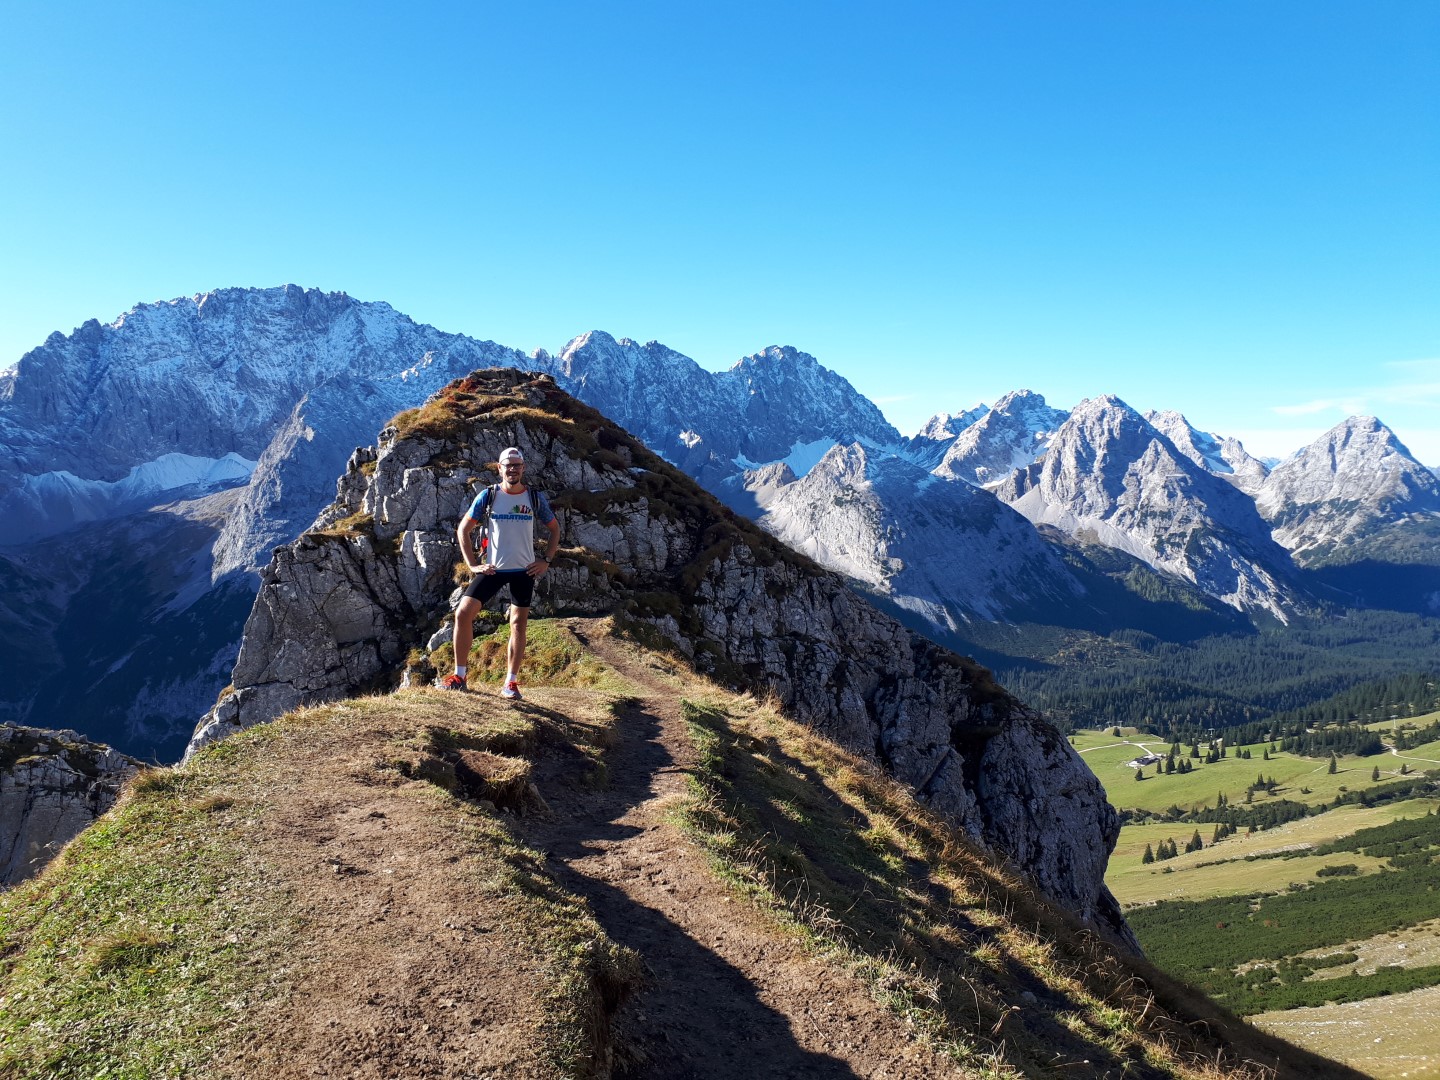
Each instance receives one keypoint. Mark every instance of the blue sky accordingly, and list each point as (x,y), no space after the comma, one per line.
(1230,208)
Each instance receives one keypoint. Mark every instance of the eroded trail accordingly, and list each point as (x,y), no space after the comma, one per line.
(405,966)
(728,994)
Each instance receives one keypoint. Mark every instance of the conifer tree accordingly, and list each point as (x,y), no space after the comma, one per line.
(1149,856)
(1334,765)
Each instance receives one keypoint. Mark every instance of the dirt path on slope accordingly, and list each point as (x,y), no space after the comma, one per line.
(728,995)
(406,966)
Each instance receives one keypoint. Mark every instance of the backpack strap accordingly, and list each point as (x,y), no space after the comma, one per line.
(487,504)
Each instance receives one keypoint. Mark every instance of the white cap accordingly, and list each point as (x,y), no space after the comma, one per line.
(511,453)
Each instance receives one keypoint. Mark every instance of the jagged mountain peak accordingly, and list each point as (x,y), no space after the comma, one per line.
(1016,399)
(1111,477)
(1224,457)
(779,356)
(927,447)
(946,551)
(596,355)
(948,425)
(1351,484)
(1010,435)
(210,376)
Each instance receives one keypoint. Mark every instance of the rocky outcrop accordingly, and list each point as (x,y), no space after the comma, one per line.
(714,425)
(340,608)
(53,784)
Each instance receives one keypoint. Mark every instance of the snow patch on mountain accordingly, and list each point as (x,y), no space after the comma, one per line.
(801,459)
(52,501)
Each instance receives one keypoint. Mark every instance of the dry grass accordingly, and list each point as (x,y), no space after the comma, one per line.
(948,939)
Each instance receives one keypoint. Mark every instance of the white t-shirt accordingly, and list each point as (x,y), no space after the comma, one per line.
(512,527)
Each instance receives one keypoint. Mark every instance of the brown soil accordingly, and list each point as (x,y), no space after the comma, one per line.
(728,995)
(414,970)
(411,971)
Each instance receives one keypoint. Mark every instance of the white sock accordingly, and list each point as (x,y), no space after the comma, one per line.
(460,670)
(512,676)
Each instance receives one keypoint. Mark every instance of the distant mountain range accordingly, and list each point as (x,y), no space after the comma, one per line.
(150,464)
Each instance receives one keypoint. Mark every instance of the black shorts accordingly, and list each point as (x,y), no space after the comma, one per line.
(485,586)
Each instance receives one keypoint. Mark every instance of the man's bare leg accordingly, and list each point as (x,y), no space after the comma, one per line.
(465,629)
(515,651)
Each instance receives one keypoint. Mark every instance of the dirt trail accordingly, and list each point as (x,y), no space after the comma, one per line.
(410,970)
(728,997)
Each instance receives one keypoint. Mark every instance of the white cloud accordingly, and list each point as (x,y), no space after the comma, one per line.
(1416,385)
(1309,408)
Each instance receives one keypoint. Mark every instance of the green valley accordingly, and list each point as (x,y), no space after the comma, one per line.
(1299,891)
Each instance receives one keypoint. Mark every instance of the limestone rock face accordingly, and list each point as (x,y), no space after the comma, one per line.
(927,446)
(1111,477)
(1225,457)
(339,608)
(1350,487)
(1009,436)
(53,784)
(946,550)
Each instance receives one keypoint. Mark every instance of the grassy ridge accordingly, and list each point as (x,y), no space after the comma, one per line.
(951,942)
(147,940)
(172,934)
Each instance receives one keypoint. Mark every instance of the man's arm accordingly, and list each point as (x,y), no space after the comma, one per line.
(463,533)
(539,566)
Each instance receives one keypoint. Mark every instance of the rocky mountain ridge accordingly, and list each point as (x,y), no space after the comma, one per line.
(340,609)
(1010,436)
(266,393)
(53,785)
(1110,474)
(948,552)
(253,400)
(1351,484)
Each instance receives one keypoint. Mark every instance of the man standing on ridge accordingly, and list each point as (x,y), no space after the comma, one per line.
(506,512)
